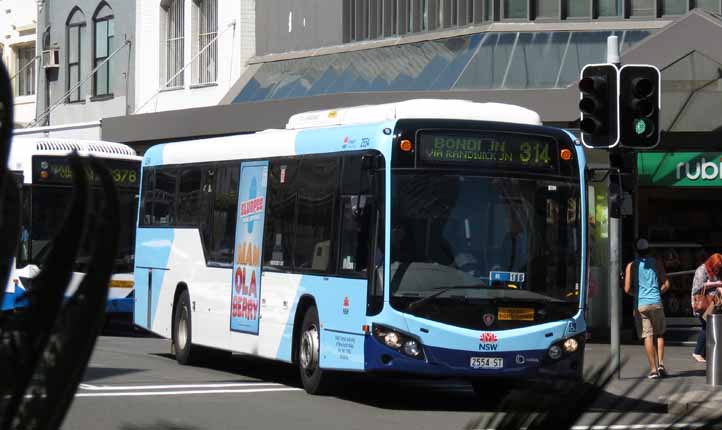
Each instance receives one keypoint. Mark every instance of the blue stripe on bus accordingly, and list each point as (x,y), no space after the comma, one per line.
(153,247)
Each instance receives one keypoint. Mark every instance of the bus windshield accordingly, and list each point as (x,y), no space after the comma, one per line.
(463,240)
(49,207)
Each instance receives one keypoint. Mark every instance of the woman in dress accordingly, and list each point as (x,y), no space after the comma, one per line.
(707,279)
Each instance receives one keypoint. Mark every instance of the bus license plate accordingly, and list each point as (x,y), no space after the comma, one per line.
(487,362)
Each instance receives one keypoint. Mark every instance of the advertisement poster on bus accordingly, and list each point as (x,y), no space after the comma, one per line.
(246,292)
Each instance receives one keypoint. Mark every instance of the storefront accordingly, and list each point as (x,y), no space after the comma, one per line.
(679,208)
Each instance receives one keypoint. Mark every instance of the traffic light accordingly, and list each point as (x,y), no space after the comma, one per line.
(639,105)
(598,105)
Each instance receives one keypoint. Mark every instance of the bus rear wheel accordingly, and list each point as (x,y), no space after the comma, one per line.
(183,330)
(314,379)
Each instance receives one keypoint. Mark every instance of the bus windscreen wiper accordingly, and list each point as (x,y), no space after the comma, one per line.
(421,301)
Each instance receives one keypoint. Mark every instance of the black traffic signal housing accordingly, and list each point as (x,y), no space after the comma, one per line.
(598,100)
(639,106)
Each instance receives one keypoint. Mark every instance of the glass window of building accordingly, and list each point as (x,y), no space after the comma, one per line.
(577,9)
(608,8)
(103,29)
(25,71)
(710,5)
(172,38)
(515,9)
(547,9)
(205,44)
(74,35)
(645,8)
(673,7)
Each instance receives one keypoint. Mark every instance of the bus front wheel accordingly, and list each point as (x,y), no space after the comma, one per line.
(314,379)
(182,330)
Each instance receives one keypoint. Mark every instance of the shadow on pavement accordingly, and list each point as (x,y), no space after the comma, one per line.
(93,373)
(159,425)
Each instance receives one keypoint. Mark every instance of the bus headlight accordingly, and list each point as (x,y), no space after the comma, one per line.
(555,352)
(570,345)
(398,341)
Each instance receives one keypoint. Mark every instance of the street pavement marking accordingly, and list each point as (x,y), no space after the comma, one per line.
(90,387)
(187,392)
(693,425)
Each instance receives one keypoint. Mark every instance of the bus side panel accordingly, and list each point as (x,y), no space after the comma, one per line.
(209,290)
(341,304)
(152,252)
(279,300)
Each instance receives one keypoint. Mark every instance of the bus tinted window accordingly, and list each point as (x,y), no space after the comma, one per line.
(146,208)
(221,229)
(280,213)
(164,197)
(316,198)
(189,196)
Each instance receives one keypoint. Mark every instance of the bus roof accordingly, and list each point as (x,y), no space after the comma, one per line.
(416,108)
(23,149)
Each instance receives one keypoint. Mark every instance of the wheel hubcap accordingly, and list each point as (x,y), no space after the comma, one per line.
(309,349)
(183,329)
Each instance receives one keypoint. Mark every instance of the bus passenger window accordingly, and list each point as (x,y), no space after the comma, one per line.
(189,196)
(164,197)
(318,179)
(280,214)
(223,217)
(146,204)
(355,233)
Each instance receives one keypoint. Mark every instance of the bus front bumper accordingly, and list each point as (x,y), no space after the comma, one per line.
(442,362)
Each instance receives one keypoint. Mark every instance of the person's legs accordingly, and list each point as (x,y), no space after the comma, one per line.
(651,353)
(700,347)
(660,351)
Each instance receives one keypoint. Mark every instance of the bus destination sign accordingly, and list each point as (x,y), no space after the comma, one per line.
(56,171)
(498,149)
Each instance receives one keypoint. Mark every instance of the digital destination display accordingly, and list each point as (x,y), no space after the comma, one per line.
(497,149)
(56,171)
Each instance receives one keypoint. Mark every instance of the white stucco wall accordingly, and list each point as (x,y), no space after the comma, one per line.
(18,21)
(236,44)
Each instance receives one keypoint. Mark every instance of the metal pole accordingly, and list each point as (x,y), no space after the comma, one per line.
(615,232)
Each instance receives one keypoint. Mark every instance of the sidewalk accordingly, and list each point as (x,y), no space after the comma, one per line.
(684,392)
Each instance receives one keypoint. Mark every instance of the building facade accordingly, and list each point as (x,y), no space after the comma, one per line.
(18,21)
(192,51)
(87,56)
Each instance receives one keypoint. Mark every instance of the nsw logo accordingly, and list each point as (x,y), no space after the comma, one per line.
(488,342)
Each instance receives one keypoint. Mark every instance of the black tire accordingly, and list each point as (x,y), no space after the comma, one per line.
(183,330)
(314,379)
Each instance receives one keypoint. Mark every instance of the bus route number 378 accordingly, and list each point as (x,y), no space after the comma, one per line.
(487,362)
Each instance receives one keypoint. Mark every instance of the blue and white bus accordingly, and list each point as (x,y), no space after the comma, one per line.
(428,237)
(41,166)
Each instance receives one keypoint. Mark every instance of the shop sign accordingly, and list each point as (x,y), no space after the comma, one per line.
(680,169)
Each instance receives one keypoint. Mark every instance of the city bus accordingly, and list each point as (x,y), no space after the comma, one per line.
(438,238)
(41,166)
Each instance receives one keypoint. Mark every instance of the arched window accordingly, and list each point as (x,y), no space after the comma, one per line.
(103,46)
(74,35)
(205,31)
(172,34)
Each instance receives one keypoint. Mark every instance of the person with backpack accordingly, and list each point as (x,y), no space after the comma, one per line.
(646,280)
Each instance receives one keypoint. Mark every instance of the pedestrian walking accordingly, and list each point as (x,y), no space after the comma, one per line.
(707,283)
(646,280)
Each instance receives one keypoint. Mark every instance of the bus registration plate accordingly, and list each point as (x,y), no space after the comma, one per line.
(487,362)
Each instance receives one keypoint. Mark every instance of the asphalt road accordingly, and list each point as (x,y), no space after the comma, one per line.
(134,383)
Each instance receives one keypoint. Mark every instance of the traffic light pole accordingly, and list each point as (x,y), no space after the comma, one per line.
(615,233)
